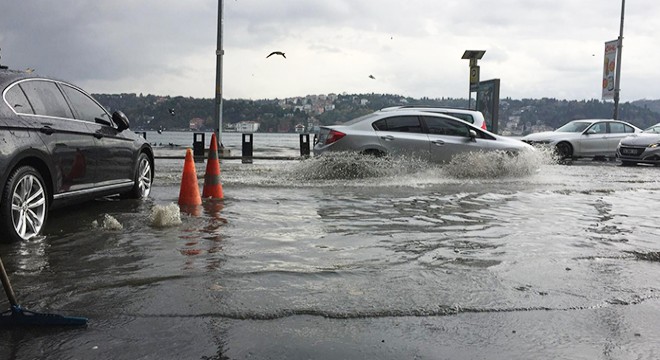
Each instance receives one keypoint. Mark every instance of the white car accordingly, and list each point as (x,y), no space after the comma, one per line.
(585,138)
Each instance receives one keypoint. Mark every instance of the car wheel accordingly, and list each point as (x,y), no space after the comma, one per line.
(144,176)
(24,205)
(564,150)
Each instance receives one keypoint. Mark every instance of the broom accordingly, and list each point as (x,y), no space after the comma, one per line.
(17,316)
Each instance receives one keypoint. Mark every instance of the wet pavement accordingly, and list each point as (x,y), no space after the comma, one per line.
(359,260)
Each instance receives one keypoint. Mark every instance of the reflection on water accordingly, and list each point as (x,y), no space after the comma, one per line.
(376,256)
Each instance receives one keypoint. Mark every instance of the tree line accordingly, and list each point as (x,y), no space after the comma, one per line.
(152,112)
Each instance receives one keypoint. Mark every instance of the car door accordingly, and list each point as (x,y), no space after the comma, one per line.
(403,136)
(617,131)
(593,140)
(68,140)
(449,137)
(114,150)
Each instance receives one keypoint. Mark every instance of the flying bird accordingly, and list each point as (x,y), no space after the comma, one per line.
(276,53)
(171,112)
(371,77)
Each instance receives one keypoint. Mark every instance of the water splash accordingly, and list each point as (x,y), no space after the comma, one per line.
(496,164)
(109,223)
(165,215)
(352,165)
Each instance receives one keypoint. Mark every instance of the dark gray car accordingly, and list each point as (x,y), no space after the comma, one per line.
(642,147)
(59,146)
(429,136)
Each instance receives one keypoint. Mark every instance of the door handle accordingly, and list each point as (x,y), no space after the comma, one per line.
(387,137)
(47,130)
(438,142)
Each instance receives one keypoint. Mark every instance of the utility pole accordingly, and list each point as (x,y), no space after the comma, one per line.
(617,80)
(219,52)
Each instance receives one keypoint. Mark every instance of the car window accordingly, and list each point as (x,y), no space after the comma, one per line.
(18,101)
(443,126)
(655,129)
(399,124)
(464,117)
(46,98)
(628,129)
(85,108)
(617,128)
(598,128)
(574,126)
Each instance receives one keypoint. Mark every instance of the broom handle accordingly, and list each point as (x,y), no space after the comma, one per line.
(7,285)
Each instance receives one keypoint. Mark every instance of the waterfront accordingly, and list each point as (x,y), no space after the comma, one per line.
(361,260)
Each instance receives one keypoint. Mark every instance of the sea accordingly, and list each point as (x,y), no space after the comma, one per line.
(352,257)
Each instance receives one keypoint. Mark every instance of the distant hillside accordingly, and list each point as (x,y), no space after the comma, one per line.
(151,112)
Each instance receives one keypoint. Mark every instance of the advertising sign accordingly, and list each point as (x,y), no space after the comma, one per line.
(488,102)
(609,69)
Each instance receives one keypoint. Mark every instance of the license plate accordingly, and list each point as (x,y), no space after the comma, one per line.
(629,151)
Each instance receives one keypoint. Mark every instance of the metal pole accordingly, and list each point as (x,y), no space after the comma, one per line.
(617,81)
(219,52)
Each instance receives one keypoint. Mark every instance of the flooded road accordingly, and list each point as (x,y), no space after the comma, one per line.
(354,258)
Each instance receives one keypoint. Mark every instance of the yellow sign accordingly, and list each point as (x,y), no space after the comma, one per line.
(474,75)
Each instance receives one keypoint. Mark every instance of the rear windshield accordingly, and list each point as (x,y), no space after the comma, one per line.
(574,127)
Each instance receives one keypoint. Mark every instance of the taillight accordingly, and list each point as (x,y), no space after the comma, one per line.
(483,125)
(333,136)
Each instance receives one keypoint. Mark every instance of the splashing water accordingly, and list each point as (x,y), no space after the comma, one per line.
(496,164)
(165,215)
(352,165)
(109,223)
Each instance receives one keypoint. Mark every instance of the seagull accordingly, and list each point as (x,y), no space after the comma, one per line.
(29,70)
(172,112)
(276,53)
(371,77)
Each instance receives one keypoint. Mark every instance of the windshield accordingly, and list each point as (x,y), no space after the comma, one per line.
(655,129)
(574,127)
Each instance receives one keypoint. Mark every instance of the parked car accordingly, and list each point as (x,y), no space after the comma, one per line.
(584,138)
(640,148)
(430,136)
(59,147)
(474,117)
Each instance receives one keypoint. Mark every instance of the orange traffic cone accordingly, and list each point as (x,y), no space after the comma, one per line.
(189,192)
(212,185)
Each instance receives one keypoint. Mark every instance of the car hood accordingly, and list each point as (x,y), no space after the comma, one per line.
(550,136)
(640,139)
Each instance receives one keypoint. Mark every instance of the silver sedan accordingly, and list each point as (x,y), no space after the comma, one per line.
(588,138)
(428,136)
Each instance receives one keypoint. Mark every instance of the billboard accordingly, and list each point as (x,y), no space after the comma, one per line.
(609,69)
(488,102)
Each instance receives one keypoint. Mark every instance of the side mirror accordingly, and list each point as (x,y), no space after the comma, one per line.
(121,120)
(473,135)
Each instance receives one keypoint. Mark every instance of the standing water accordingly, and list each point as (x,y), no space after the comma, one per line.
(343,256)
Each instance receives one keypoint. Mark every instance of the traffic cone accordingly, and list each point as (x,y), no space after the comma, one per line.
(212,185)
(189,192)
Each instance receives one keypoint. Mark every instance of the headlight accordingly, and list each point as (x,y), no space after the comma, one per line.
(652,146)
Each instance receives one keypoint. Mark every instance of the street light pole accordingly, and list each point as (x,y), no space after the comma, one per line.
(617,80)
(219,52)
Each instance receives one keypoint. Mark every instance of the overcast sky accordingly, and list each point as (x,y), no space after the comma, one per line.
(537,48)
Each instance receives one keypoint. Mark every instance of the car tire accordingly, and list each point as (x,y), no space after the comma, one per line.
(144,176)
(374,153)
(564,150)
(24,205)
